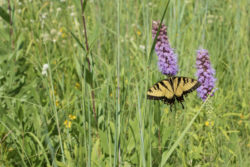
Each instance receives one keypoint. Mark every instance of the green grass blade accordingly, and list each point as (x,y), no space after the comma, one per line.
(78,41)
(141,129)
(117,112)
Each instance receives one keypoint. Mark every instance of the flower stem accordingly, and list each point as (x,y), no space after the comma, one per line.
(87,48)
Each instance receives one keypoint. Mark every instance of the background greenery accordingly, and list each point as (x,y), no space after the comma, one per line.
(49,120)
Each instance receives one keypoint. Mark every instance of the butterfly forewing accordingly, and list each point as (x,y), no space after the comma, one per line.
(169,93)
(189,85)
(177,84)
(160,90)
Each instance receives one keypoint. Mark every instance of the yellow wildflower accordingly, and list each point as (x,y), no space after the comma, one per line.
(77,85)
(248,145)
(139,33)
(67,124)
(61,30)
(240,122)
(63,35)
(207,123)
(111,95)
(72,117)
(57,103)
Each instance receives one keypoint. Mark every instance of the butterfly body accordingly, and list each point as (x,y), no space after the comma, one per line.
(171,89)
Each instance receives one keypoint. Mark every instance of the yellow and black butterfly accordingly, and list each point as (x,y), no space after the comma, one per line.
(172,88)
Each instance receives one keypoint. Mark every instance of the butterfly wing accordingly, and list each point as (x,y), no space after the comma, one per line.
(162,90)
(183,86)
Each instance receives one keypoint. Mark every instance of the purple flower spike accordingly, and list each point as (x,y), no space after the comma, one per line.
(205,74)
(167,59)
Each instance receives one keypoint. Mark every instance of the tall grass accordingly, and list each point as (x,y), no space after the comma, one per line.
(49,120)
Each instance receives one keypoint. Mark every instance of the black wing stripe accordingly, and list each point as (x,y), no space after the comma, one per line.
(185,80)
(171,83)
(193,88)
(150,90)
(162,83)
(158,87)
(155,98)
(179,81)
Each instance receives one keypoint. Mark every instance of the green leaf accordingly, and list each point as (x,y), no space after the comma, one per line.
(20,113)
(96,155)
(84,6)
(78,41)
(88,76)
(104,142)
(4,15)
(82,71)
(11,123)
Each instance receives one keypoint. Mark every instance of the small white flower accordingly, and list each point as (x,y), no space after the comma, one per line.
(72,14)
(58,9)
(142,47)
(44,15)
(62,0)
(44,73)
(71,7)
(45,37)
(44,70)
(53,31)
(45,67)
(59,33)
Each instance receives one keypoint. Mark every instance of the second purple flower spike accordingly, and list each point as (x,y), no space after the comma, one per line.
(205,74)
(167,59)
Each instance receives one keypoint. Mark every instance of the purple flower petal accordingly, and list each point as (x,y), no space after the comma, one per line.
(167,59)
(205,74)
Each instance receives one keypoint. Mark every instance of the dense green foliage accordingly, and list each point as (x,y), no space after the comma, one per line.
(48,120)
